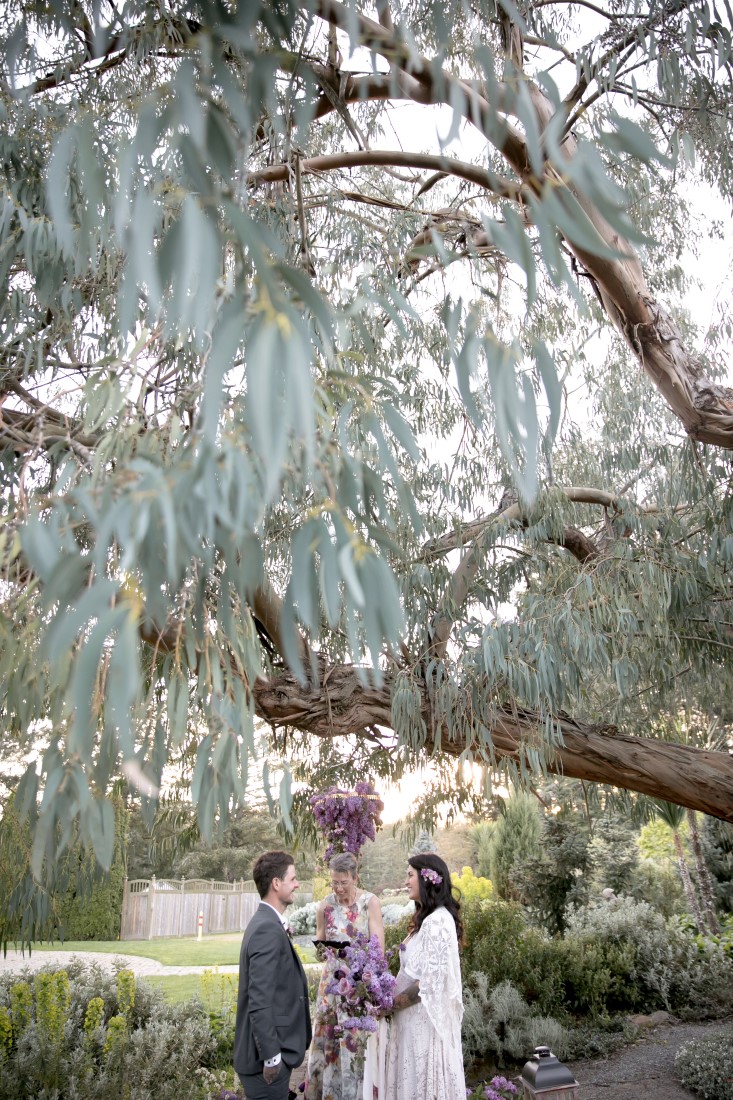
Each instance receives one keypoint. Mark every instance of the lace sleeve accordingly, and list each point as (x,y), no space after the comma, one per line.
(434,963)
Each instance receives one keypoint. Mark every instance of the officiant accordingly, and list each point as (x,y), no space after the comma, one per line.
(335,1061)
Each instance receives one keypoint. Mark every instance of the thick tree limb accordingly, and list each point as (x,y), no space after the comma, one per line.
(345,705)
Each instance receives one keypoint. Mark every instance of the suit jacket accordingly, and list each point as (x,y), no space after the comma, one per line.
(272,1004)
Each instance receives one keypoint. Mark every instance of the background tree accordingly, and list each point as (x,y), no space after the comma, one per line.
(614,854)
(233,356)
(559,876)
(515,838)
(673,816)
(717,841)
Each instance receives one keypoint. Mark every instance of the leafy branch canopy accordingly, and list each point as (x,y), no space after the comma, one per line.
(246,315)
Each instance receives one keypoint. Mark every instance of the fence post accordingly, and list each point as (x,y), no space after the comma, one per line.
(151,906)
(183,905)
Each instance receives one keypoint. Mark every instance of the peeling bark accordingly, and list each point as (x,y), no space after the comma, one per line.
(345,703)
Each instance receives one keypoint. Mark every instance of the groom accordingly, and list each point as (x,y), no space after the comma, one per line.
(273,1026)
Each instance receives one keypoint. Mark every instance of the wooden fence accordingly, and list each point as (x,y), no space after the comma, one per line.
(170,907)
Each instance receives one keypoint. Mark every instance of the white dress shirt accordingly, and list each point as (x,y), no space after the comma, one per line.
(275,1061)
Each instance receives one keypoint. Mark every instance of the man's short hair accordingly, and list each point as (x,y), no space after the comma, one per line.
(270,865)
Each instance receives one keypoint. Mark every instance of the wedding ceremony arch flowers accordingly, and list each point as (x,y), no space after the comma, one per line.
(347,818)
(362,987)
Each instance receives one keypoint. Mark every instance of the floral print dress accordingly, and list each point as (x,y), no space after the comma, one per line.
(335,1064)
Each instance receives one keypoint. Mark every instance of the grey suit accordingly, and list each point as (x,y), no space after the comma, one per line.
(272,1006)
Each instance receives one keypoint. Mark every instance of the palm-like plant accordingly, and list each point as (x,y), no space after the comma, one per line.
(673,816)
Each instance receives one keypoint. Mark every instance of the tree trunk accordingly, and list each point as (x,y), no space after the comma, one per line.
(349,702)
(703,876)
(690,894)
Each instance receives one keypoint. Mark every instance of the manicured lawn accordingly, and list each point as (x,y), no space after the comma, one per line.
(212,951)
(217,991)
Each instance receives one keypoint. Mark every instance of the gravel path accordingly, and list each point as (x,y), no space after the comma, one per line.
(646,1067)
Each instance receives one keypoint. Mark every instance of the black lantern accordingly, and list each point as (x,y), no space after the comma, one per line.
(544,1076)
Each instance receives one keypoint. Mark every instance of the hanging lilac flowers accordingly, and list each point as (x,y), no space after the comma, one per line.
(347,818)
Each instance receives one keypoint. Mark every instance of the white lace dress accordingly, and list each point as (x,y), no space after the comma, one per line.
(424,1057)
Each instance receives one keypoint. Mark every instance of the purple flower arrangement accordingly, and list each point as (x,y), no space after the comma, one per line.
(362,987)
(498,1088)
(431,876)
(347,818)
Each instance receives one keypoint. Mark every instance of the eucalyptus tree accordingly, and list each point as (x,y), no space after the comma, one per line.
(246,314)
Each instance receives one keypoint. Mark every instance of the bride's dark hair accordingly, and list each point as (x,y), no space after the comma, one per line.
(433,895)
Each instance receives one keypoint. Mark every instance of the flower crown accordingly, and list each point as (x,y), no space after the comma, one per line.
(431,876)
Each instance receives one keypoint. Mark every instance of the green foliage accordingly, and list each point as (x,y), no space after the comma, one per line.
(91,908)
(659,885)
(394,934)
(614,958)
(53,999)
(514,840)
(717,840)
(93,1035)
(614,855)
(501,946)
(94,1015)
(21,1006)
(703,1066)
(558,877)
(245,422)
(85,902)
(647,963)
(656,840)
(482,835)
(6,1032)
(498,1023)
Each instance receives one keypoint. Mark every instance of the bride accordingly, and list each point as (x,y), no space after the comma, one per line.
(424,1056)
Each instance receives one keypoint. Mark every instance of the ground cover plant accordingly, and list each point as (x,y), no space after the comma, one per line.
(704,1067)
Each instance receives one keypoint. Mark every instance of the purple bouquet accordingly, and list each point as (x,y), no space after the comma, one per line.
(362,988)
(348,818)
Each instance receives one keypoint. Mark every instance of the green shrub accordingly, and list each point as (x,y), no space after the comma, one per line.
(614,958)
(90,1035)
(500,945)
(91,908)
(645,962)
(659,885)
(706,1066)
(394,934)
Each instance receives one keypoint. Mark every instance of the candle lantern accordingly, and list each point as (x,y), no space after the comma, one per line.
(543,1076)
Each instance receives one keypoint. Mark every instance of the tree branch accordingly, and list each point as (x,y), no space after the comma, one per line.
(380,157)
(349,703)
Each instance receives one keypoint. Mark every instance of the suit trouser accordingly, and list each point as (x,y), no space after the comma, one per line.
(256,1089)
